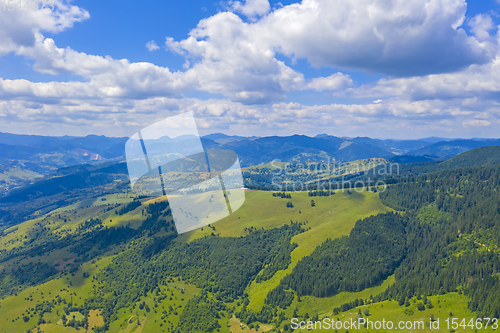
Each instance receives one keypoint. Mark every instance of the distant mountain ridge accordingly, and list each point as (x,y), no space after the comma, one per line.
(69,184)
(223,138)
(301,148)
(447,149)
(418,165)
(108,147)
(57,152)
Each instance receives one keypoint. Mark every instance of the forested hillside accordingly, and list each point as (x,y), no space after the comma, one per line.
(454,236)
(406,166)
(282,255)
(365,258)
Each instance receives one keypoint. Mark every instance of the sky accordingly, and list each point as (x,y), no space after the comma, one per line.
(402,69)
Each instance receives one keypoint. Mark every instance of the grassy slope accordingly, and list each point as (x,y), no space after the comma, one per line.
(108,199)
(77,289)
(324,306)
(332,217)
(310,173)
(155,322)
(67,286)
(343,168)
(391,311)
(74,215)
(16,175)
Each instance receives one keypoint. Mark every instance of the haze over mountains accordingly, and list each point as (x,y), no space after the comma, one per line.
(35,171)
(44,153)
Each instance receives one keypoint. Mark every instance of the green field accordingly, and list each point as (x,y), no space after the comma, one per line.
(331,217)
(310,172)
(13,175)
(445,307)
(159,318)
(73,288)
(118,198)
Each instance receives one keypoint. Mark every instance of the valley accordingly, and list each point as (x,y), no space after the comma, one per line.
(114,262)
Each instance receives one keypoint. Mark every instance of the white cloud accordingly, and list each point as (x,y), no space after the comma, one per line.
(481,25)
(477,81)
(245,74)
(251,8)
(332,82)
(19,27)
(476,122)
(107,77)
(241,61)
(237,59)
(122,117)
(392,37)
(227,59)
(226,62)
(151,46)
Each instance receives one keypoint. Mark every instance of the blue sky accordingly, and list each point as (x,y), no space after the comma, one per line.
(393,69)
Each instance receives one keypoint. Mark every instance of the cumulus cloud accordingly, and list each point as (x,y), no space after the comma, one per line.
(226,61)
(481,25)
(20,27)
(239,60)
(477,81)
(106,76)
(454,90)
(151,46)
(400,37)
(251,8)
(121,117)
(245,74)
(332,82)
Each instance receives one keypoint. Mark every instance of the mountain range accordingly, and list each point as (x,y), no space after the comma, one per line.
(45,153)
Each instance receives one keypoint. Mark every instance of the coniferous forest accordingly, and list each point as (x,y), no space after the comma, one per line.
(452,236)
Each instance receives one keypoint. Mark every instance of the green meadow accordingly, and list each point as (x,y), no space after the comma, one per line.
(331,217)
(444,307)
(163,315)
(70,287)
(116,198)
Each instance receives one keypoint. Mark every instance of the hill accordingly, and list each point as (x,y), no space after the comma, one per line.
(118,259)
(25,157)
(78,250)
(65,187)
(447,149)
(479,157)
(331,217)
(71,184)
(409,166)
(223,138)
(107,147)
(301,148)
